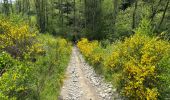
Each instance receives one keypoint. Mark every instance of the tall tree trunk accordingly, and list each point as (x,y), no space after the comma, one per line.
(6,7)
(134,15)
(85,13)
(61,19)
(23,6)
(27,7)
(93,16)
(46,14)
(11,6)
(115,12)
(38,12)
(163,15)
(19,6)
(74,15)
(154,10)
(1,6)
(43,28)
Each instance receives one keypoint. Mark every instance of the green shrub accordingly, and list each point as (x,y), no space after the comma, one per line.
(16,80)
(145,28)
(50,68)
(5,62)
(34,65)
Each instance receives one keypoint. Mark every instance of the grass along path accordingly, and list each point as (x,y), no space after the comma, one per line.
(82,83)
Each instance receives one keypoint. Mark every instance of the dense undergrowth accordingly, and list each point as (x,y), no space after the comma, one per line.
(139,66)
(32,65)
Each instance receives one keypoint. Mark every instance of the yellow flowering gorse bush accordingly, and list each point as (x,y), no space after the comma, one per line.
(139,57)
(91,50)
(16,38)
(86,47)
(142,62)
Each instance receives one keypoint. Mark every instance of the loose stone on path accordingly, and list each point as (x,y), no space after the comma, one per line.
(82,83)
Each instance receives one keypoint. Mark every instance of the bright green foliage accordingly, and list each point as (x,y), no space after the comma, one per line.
(145,27)
(42,79)
(5,61)
(39,71)
(16,78)
(164,76)
(123,26)
(50,68)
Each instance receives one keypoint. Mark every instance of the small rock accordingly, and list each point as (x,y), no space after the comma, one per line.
(114,90)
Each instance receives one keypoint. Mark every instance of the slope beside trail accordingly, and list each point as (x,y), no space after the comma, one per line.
(82,83)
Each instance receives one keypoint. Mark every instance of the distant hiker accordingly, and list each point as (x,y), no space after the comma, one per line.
(74,39)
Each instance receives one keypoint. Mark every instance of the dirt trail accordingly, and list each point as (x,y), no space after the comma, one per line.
(82,83)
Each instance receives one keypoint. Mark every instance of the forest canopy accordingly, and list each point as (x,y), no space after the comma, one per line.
(94,19)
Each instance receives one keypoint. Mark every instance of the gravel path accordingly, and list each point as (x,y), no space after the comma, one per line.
(82,83)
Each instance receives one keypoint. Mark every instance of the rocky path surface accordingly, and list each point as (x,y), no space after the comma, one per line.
(82,83)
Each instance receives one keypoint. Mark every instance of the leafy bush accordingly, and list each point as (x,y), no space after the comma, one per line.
(40,79)
(145,28)
(32,66)
(5,62)
(16,38)
(141,56)
(16,78)
(50,68)
(140,62)
(91,50)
